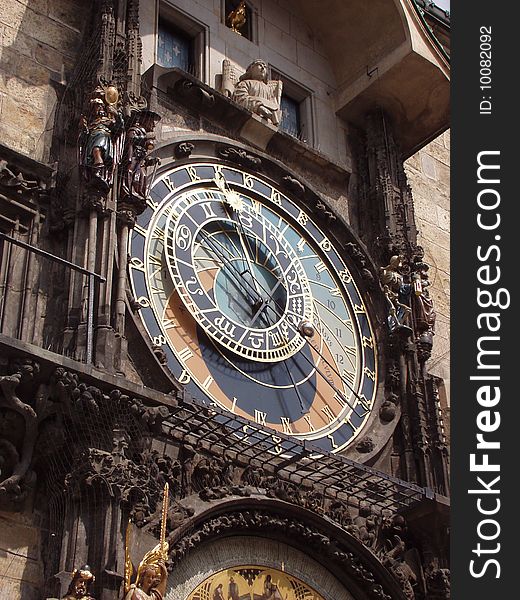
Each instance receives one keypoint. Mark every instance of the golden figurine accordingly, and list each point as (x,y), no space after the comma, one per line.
(82,579)
(237,18)
(152,575)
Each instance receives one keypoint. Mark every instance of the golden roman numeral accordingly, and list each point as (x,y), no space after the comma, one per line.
(260,417)
(286,424)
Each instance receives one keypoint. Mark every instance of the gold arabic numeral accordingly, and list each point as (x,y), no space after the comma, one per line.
(370,374)
(325,245)
(184,377)
(368,342)
(345,276)
(192,172)
(335,292)
(249,182)
(287,426)
(309,423)
(276,197)
(169,184)
(159,340)
(260,417)
(185,354)
(302,218)
(359,310)
(277,444)
(208,210)
(330,437)
(245,437)
(136,263)
(207,382)
(327,411)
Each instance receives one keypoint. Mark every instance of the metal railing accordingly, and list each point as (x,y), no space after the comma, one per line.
(92,278)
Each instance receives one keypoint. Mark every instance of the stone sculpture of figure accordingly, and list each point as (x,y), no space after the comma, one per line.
(258,94)
(397,295)
(150,583)
(423,310)
(139,143)
(82,579)
(99,130)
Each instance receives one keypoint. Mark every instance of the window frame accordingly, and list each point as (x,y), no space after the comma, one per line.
(185,24)
(304,98)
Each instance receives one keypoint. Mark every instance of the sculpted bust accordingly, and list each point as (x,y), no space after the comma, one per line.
(258,94)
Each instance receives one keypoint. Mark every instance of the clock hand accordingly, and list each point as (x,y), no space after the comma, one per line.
(280,312)
(232,270)
(233,203)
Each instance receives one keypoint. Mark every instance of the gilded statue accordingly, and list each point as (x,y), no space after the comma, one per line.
(152,575)
(256,93)
(78,589)
(100,131)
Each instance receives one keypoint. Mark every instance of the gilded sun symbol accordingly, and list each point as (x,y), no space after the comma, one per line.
(235,201)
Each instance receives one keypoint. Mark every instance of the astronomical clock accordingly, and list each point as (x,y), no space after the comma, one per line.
(254,302)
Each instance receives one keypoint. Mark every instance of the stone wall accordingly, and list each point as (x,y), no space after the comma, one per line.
(428,173)
(39,40)
(20,566)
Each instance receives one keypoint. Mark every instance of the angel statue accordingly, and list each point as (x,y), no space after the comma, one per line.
(152,575)
(254,91)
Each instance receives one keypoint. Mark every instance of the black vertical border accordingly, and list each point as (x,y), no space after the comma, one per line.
(474,132)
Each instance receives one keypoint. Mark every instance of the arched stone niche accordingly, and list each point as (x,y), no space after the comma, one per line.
(217,555)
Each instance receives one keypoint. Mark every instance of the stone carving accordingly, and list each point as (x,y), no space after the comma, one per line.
(183,150)
(354,251)
(240,157)
(79,587)
(136,165)
(195,94)
(307,535)
(99,141)
(424,315)
(397,294)
(325,213)
(254,91)
(295,186)
(365,445)
(438,583)
(388,408)
(18,183)
(18,429)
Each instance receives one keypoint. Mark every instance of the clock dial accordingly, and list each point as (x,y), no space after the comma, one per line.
(253,304)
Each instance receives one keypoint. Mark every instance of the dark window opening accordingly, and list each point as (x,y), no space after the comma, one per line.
(291,119)
(174,48)
(246,28)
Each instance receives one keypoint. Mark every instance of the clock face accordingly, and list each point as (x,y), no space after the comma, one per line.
(253,304)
